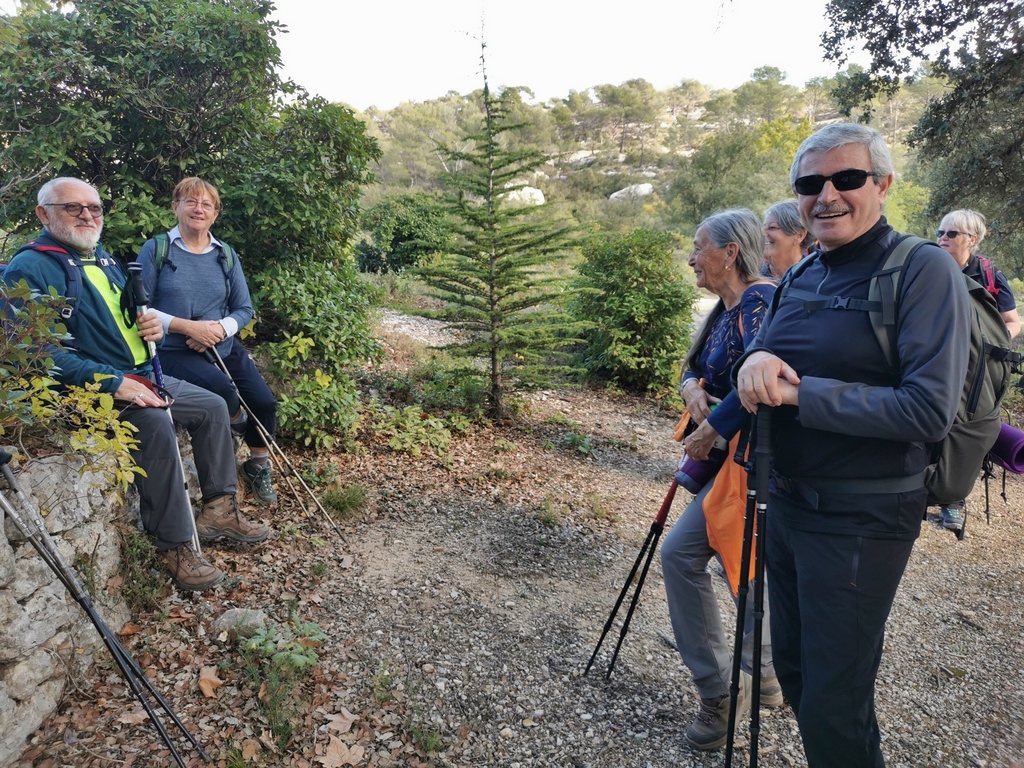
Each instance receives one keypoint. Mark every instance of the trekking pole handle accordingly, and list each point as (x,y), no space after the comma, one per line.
(142,306)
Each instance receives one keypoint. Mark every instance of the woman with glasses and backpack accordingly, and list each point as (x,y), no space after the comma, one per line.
(959,234)
(196,286)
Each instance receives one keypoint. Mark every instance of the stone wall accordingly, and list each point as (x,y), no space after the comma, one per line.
(44,634)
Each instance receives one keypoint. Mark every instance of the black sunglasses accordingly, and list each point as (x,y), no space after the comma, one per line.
(952,234)
(843,181)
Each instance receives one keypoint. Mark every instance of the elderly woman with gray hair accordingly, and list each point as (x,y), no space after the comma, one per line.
(959,234)
(728,254)
(786,238)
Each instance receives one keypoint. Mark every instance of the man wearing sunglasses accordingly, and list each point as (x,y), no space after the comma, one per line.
(104,345)
(850,438)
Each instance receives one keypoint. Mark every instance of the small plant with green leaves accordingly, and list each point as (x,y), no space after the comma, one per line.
(561,420)
(319,473)
(275,660)
(411,430)
(345,501)
(383,683)
(501,445)
(580,442)
(320,569)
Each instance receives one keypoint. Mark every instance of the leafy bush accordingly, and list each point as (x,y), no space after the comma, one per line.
(316,323)
(639,310)
(410,430)
(345,501)
(77,419)
(406,228)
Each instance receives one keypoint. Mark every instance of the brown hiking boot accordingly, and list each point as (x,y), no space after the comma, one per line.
(220,519)
(190,570)
(711,726)
(771,692)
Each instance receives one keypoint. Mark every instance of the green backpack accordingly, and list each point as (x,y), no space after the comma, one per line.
(163,247)
(957,459)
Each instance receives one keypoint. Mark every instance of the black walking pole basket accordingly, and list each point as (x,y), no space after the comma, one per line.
(758,472)
(29,524)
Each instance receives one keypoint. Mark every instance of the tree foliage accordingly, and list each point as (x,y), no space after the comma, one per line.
(405,229)
(133,95)
(639,310)
(973,133)
(494,279)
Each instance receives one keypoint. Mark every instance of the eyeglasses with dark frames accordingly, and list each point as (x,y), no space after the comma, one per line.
(952,234)
(843,181)
(75,209)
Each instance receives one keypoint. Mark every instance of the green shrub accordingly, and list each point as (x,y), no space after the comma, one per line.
(315,322)
(140,588)
(639,310)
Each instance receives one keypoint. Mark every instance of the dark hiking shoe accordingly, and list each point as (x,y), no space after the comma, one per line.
(220,519)
(257,477)
(771,692)
(711,726)
(952,518)
(191,571)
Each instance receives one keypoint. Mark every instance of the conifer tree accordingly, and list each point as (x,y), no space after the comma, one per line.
(496,281)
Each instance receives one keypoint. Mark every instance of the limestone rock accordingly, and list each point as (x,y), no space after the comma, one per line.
(633,192)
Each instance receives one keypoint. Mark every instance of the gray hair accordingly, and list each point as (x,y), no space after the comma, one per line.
(740,226)
(971,222)
(48,192)
(786,213)
(839,135)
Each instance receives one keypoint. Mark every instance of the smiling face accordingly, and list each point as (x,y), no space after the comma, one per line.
(837,218)
(710,263)
(960,247)
(81,232)
(196,213)
(781,251)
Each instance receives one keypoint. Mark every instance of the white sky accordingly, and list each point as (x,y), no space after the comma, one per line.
(384,52)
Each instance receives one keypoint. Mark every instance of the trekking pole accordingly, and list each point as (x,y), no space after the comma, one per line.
(649,547)
(758,471)
(762,472)
(30,526)
(742,588)
(273,445)
(214,358)
(141,304)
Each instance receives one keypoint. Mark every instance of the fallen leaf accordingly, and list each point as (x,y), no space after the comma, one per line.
(115,582)
(130,629)
(341,721)
(209,682)
(339,754)
(250,748)
(133,718)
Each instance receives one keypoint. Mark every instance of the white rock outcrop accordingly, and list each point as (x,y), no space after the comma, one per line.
(633,192)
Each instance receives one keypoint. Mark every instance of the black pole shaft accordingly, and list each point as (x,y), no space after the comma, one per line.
(762,471)
(650,544)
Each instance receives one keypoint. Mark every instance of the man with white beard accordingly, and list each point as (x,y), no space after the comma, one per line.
(105,348)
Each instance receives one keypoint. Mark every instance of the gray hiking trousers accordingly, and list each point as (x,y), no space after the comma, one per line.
(163,500)
(703,643)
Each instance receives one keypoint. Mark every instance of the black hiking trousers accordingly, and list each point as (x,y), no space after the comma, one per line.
(830,596)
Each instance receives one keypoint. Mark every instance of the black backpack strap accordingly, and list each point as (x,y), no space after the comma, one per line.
(785,287)
(884,291)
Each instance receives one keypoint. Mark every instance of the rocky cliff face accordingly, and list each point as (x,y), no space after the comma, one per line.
(44,635)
